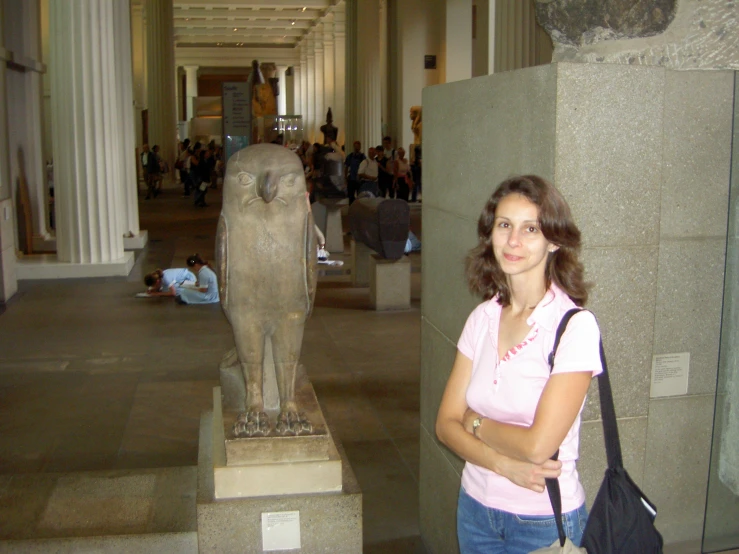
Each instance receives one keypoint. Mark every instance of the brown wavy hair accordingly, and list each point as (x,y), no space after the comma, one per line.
(563,268)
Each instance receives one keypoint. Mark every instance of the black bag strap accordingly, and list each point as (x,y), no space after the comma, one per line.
(608,415)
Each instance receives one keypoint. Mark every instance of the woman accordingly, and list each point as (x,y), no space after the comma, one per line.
(168,282)
(402,175)
(501,410)
(205,290)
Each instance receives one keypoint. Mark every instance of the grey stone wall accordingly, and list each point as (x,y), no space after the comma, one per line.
(643,156)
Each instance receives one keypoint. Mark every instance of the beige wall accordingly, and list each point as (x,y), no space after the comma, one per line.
(643,156)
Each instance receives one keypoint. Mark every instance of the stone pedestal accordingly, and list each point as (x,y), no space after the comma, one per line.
(242,480)
(361,254)
(390,283)
(327,215)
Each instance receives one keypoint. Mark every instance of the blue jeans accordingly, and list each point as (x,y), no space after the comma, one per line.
(488,531)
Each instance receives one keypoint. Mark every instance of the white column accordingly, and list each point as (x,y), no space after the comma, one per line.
(191,88)
(125,113)
(458,40)
(328,64)
(304,88)
(282,87)
(310,109)
(383,53)
(369,96)
(160,78)
(320,109)
(296,90)
(86,128)
(350,79)
(339,110)
(138,45)
(289,90)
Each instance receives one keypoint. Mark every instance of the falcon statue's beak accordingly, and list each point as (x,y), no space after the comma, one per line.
(268,187)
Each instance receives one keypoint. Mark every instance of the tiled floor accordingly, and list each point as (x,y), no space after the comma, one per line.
(93,379)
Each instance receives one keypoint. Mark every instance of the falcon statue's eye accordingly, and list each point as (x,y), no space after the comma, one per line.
(287,180)
(246,179)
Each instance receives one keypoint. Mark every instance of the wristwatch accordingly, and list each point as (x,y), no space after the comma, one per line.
(476,425)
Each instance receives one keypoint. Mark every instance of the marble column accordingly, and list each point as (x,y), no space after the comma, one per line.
(125,113)
(339,66)
(87,127)
(8,281)
(160,78)
(304,88)
(368,89)
(458,59)
(282,87)
(310,108)
(383,54)
(191,88)
(320,108)
(288,89)
(329,58)
(138,45)
(350,77)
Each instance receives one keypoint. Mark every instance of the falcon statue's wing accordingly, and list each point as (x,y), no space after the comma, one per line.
(311,262)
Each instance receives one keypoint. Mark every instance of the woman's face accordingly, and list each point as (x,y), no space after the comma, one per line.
(401,153)
(519,246)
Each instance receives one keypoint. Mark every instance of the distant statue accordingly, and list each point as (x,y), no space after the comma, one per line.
(266,260)
(417,124)
(330,133)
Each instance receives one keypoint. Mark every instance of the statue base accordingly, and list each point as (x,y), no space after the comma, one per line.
(274,465)
(235,503)
(390,283)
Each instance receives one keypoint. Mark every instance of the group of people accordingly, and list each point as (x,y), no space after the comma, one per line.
(153,168)
(384,171)
(195,284)
(199,167)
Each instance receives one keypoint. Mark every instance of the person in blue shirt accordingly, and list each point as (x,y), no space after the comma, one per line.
(167,282)
(351,163)
(205,291)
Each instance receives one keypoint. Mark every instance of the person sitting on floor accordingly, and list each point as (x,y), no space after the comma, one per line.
(167,282)
(205,290)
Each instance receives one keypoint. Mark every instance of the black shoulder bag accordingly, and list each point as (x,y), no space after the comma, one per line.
(621,520)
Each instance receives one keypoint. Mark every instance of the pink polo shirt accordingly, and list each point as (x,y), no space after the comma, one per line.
(508,391)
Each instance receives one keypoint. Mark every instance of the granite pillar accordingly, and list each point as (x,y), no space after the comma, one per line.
(160,69)
(641,144)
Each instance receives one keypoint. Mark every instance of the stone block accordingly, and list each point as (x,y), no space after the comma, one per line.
(677,462)
(360,264)
(390,283)
(329,523)
(438,489)
(689,302)
(609,150)
(446,301)
(697,153)
(327,215)
(500,124)
(623,300)
(437,357)
(8,281)
(273,465)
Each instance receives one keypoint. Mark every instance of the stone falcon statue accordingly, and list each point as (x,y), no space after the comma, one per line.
(266,260)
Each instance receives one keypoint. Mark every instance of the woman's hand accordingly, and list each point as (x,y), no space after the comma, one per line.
(528,475)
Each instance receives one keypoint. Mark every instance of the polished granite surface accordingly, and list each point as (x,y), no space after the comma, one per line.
(101,394)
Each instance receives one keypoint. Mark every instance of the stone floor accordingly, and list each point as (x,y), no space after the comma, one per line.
(101,394)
